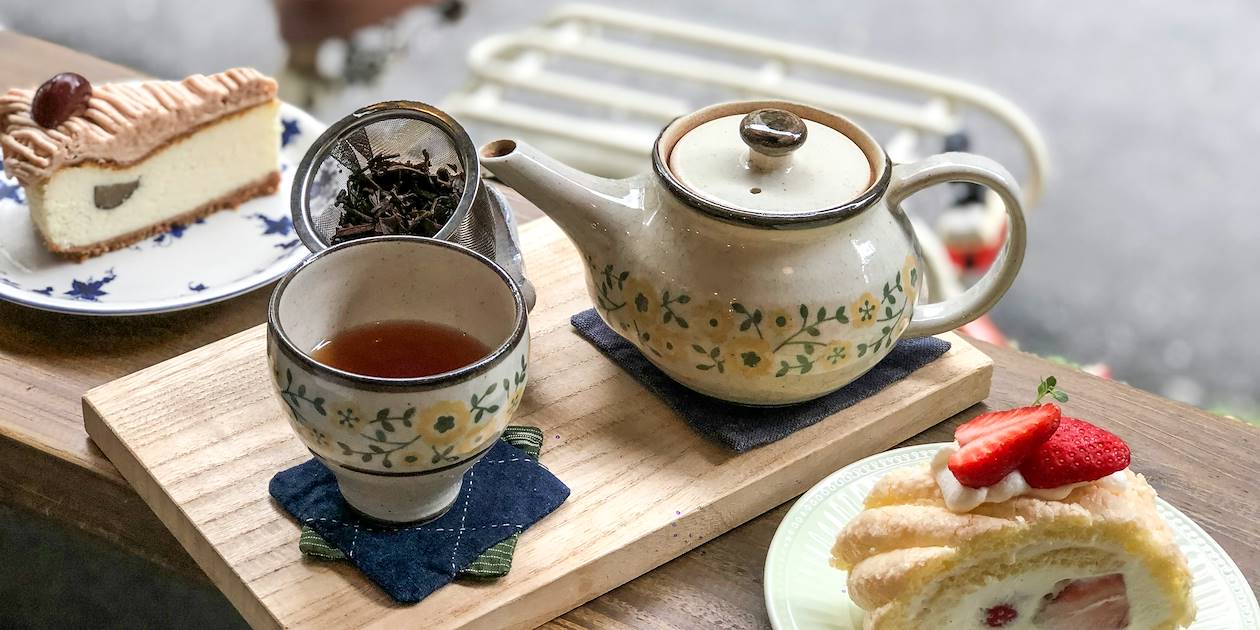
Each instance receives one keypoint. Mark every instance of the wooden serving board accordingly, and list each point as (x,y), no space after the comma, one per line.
(199,437)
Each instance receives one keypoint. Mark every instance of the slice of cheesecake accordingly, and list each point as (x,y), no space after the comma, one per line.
(139,158)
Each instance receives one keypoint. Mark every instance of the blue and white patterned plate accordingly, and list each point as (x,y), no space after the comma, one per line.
(221,256)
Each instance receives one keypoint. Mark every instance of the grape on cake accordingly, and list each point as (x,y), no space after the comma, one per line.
(104,167)
(1029,520)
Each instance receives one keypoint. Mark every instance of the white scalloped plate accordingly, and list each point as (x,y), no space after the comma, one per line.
(804,592)
(224,255)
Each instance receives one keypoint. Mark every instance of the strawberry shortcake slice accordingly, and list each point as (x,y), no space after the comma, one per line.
(1029,520)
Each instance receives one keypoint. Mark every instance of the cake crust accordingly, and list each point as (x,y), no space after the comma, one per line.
(265,186)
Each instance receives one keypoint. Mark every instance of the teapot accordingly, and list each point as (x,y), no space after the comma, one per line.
(765,259)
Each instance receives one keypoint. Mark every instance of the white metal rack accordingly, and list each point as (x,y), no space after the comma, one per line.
(594,85)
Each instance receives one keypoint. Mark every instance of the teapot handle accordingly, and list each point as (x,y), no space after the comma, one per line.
(907,179)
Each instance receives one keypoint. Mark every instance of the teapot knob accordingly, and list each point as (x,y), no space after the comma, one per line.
(772,134)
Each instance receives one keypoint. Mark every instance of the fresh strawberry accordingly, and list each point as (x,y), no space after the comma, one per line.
(998,420)
(996,443)
(1097,603)
(1077,452)
(999,616)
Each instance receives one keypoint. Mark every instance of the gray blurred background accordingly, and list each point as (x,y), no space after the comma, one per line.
(1142,252)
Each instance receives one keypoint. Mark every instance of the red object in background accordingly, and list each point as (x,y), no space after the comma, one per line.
(313,21)
(976,259)
(984,329)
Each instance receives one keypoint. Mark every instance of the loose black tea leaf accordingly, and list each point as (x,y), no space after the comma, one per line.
(389,195)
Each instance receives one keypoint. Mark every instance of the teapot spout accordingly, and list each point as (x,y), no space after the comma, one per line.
(591,210)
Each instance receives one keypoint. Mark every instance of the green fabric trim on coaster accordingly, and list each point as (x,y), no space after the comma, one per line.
(312,544)
(493,563)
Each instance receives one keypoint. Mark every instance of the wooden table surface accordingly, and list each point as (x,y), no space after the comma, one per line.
(1204,464)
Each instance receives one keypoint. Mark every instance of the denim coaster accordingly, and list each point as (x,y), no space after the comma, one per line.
(493,563)
(503,494)
(739,427)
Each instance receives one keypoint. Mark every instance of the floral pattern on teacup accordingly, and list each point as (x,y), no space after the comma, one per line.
(401,438)
(739,340)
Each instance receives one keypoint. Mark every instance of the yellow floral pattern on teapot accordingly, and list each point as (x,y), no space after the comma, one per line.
(741,340)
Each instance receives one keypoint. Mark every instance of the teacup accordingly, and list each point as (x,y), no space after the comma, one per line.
(399,447)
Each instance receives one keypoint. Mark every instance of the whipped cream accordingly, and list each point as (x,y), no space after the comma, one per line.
(960,498)
(1026,592)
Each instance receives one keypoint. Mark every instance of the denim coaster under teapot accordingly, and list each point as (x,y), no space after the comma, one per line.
(504,493)
(740,427)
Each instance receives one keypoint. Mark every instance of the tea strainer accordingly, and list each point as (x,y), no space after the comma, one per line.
(415,132)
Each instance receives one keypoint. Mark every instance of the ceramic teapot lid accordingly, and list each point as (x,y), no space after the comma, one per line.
(771,163)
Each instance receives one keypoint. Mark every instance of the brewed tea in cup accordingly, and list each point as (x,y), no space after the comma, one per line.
(399,361)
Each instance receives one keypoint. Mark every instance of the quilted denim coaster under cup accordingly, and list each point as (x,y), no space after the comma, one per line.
(493,563)
(739,427)
(503,494)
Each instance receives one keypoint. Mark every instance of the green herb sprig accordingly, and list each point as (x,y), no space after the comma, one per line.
(1049,387)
